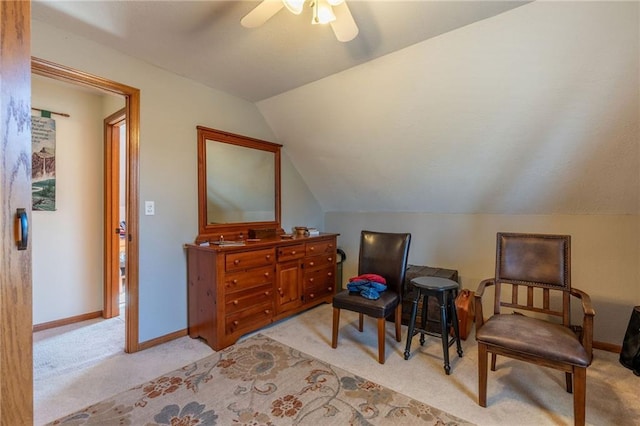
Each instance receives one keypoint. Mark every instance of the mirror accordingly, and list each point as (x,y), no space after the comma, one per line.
(238,184)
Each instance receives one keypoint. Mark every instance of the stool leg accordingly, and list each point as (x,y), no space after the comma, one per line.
(412,325)
(442,299)
(456,326)
(423,317)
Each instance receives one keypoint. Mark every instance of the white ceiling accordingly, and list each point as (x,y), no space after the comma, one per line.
(204,41)
(432,108)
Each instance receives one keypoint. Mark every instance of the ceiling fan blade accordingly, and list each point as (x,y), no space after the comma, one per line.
(261,13)
(344,27)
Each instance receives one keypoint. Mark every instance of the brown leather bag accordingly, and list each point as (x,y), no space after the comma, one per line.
(466,312)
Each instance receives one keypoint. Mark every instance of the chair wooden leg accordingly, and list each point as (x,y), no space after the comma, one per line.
(399,323)
(381,333)
(568,380)
(336,324)
(482,375)
(493,362)
(579,395)
(360,322)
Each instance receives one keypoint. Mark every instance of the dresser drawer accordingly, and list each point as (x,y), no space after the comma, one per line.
(249,259)
(321,247)
(238,281)
(291,252)
(244,299)
(249,319)
(318,283)
(317,262)
(319,278)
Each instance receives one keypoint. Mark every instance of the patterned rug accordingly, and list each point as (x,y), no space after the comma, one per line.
(259,382)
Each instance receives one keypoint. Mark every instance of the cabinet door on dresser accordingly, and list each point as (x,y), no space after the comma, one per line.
(289,277)
(319,278)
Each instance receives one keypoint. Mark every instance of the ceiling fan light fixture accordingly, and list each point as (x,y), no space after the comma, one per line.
(294,6)
(322,12)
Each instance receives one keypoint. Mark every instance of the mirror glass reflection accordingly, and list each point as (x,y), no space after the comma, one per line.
(240,184)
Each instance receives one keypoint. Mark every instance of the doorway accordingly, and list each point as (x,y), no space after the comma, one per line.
(132,113)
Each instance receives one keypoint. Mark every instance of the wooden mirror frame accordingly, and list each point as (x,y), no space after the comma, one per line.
(232,231)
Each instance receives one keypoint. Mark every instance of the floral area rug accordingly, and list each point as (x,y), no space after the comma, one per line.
(259,382)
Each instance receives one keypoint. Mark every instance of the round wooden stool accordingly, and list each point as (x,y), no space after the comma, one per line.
(445,291)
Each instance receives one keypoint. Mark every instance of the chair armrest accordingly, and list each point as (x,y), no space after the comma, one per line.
(587,319)
(478,300)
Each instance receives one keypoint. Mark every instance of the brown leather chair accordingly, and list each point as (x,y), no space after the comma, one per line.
(385,254)
(533,273)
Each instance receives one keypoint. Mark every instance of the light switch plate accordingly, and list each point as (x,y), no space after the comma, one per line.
(149,208)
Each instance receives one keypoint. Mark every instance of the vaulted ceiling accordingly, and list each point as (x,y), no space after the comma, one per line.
(204,41)
(437,106)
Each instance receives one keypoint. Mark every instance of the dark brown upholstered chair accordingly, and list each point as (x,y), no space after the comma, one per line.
(533,273)
(385,254)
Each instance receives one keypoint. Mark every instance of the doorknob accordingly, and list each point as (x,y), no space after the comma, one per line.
(24,228)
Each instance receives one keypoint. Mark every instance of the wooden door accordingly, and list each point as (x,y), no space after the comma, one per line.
(16,353)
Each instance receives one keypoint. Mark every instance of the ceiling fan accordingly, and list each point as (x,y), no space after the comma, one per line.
(333,12)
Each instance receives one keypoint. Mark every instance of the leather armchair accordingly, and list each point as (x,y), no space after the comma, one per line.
(533,273)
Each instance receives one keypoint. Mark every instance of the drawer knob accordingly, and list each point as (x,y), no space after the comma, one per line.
(266,274)
(280,292)
(311,280)
(293,252)
(235,281)
(329,274)
(236,322)
(267,311)
(330,245)
(330,288)
(268,257)
(311,295)
(236,262)
(266,293)
(311,263)
(312,248)
(235,302)
(330,259)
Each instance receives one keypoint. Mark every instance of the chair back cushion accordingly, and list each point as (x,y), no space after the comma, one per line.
(385,254)
(534,259)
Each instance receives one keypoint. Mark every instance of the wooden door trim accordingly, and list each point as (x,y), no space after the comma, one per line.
(112,186)
(132,97)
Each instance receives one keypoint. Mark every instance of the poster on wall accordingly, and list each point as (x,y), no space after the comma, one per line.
(43,163)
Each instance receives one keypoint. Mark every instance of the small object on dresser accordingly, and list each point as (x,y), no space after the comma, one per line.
(262,233)
(312,232)
(300,231)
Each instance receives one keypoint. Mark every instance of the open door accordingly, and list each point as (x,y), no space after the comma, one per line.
(16,350)
(115,236)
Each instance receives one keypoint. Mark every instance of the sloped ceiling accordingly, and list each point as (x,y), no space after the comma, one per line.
(440,107)
(204,41)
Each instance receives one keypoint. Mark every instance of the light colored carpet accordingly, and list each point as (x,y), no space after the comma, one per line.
(54,354)
(260,382)
(58,395)
(518,393)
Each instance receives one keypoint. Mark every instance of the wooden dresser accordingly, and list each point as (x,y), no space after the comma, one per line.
(233,290)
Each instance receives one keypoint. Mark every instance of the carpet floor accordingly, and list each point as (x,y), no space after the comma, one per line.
(260,382)
(518,393)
